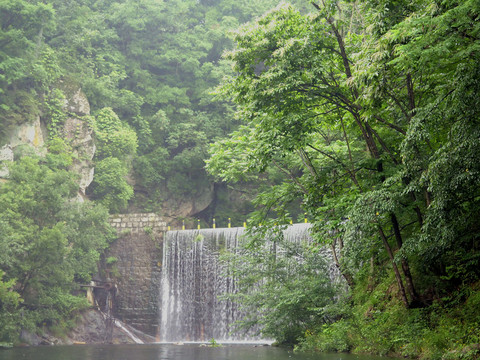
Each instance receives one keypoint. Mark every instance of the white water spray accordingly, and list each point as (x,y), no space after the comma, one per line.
(193,279)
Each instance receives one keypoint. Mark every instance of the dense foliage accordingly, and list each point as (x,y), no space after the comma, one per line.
(49,245)
(363,113)
(370,109)
(147,68)
(284,284)
(152,63)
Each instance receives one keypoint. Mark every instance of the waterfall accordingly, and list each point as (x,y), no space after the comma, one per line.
(132,336)
(193,279)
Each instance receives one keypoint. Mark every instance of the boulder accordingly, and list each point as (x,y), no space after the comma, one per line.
(76,101)
(6,156)
(78,133)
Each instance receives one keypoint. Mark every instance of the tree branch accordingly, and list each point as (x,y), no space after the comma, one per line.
(393,126)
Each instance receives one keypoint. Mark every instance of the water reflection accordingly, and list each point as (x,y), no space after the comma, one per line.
(165,352)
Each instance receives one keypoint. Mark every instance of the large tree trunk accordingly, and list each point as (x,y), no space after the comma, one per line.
(347,276)
(405,267)
(398,277)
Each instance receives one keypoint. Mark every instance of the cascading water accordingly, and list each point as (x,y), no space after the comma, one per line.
(193,279)
(297,233)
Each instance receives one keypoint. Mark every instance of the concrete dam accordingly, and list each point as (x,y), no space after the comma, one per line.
(170,283)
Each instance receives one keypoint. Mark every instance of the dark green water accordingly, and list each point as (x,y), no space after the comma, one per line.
(164,352)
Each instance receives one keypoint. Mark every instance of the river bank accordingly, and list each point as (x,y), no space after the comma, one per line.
(374,321)
(91,327)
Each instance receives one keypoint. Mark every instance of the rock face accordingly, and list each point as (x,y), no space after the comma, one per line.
(30,137)
(26,138)
(91,328)
(76,102)
(6,156)
(77,132)
(183,207)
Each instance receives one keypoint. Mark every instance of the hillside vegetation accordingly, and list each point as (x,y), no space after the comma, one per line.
(146,68)
(362,116)
(370,110)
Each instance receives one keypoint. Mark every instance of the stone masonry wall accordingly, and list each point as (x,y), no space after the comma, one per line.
(138,222)
(137,271)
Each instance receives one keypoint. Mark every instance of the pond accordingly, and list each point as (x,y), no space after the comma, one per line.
(166,351)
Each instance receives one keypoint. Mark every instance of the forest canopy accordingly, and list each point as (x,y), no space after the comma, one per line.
(362,116)
(370,110)
(146,68)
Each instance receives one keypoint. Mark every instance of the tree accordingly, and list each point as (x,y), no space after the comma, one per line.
(114,138)
(292,88)
(117,144)
(283,287)
(48,243)
(110,186)
(22,24)
(9,300)
(440,144)
(360,112)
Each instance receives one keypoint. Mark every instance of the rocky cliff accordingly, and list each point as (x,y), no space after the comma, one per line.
(30,138)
